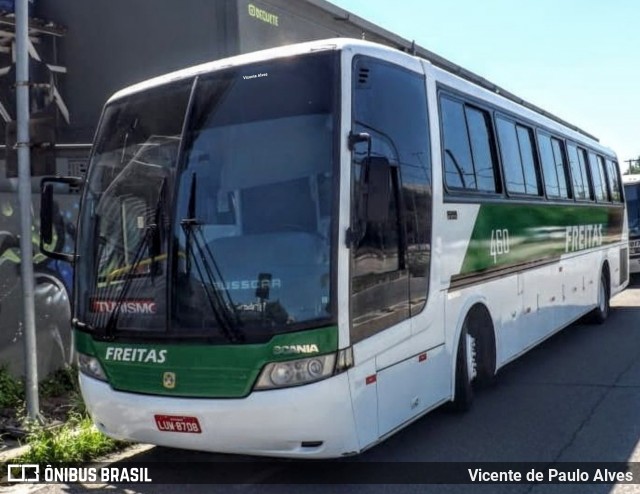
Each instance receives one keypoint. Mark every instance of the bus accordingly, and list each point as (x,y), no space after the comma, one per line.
(632,194)
(298,252)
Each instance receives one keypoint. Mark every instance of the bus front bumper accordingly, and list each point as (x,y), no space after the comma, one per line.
(314,420)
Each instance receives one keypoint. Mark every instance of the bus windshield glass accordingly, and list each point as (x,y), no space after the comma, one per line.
(208,209)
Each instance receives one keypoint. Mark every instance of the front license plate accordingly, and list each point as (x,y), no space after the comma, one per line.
(176,423)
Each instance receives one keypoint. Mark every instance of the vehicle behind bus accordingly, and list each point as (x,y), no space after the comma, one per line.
(632,196)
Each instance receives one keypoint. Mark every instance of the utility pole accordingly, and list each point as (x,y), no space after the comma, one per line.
(24,201)
(632,164)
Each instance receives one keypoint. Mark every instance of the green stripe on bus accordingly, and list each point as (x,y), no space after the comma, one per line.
(506,235)
(200,370)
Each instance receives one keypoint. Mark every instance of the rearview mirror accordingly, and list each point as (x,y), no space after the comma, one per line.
(377,178)
(46,214)
(47,208)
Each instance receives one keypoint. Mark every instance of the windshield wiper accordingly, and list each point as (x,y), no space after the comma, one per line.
(210,276)
(151,239)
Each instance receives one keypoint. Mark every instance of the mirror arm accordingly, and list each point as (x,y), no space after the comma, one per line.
(355,138)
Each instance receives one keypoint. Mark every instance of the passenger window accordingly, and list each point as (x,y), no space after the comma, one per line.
(578,165)
(482,149)
(614,181)
(469,155)
(598,177)
(561,166)
(525,140)
(510,153)
(548,166)
(458,167)
(518,159)
(603,176)
(587,182)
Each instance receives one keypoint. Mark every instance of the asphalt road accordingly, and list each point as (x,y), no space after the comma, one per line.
(576,398)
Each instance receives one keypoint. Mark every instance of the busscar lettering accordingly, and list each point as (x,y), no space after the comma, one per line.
(248,284)
(129,354)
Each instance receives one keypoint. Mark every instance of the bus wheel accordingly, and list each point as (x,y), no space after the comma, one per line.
(601,312)
(481,329)
(465,370)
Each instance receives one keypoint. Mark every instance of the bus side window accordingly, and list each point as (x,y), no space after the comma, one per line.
(614,181)
(518,157)
(561,167)
(579,175)
(551,183)
(598,177)
(469,154)
(458,165)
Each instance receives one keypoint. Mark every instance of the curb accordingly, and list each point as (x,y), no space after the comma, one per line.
(134,449)
(109,459)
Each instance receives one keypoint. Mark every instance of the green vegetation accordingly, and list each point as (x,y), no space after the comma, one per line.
(66,433)
(60,383)
(11,390)
(76,441)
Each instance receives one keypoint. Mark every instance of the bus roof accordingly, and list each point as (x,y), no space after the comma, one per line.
(630,179)
(237,60)
(336,44)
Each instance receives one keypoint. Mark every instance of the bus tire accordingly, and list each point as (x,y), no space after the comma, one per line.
(601,312)
(463,391)
(481,329)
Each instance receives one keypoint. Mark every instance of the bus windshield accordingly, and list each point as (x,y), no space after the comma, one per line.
(208,212)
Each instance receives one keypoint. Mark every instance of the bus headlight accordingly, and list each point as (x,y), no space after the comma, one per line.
(91,367)
(296,372)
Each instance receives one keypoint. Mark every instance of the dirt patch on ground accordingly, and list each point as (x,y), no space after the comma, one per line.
(58,398)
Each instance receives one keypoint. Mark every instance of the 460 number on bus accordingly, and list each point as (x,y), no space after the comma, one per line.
(499,244)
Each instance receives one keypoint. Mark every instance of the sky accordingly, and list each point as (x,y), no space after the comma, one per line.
(578,59)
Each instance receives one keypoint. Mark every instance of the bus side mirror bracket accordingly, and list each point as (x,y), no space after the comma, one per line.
(47,217)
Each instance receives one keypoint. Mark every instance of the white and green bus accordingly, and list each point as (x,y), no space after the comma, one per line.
(297,252)
(632,198)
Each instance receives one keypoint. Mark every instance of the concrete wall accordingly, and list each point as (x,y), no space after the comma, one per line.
(111,44)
